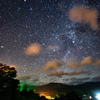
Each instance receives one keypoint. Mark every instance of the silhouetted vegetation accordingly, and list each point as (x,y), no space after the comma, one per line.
(8,84)
(9,87)
(70,96)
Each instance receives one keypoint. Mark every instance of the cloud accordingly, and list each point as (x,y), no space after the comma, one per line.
(84,15)
(79,72)
(0,61)
(54,64)
(53,47)
(10,65)
(72,73)
(76,81)
(18,68)
(33,49)
(23,77)
(86,61)
(97,63)
(97,78)
(56,74)
(13,66)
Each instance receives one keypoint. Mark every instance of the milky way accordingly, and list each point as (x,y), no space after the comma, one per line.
(40,34)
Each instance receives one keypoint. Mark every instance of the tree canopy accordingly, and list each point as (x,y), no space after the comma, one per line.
(7,71)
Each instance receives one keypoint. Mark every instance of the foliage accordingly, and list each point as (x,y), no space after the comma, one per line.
(70,96)
(7,71)
(8,84)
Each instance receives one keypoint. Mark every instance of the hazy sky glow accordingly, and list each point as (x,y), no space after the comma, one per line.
(51,40)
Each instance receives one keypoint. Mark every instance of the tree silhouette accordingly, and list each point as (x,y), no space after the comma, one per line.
(73,96)
(6,71)
(6,75)
(8,84)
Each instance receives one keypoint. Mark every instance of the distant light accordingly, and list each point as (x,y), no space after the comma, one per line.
(24,0)
(90,97)
(49,97)
(98,96)
(34,90)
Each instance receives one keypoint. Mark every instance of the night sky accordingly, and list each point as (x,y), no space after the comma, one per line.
(51,40)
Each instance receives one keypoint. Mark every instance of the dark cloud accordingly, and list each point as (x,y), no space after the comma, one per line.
(96,78)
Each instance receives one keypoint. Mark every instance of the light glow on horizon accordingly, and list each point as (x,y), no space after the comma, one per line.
(98,96)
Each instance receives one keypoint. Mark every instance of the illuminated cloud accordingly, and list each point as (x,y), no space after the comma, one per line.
(56,73)
(16,67)
(79,72)
(72,73)
(97,63)
(86,61)
(13,66)
(33,49)
(84,15)
(55,64)
(53,47)
(0,61)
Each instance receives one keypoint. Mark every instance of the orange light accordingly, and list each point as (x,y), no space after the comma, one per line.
(46,96)
(49,97)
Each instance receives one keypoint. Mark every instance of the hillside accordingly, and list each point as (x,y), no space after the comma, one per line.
(53,88)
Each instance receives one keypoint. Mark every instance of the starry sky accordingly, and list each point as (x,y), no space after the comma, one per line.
(51,40)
